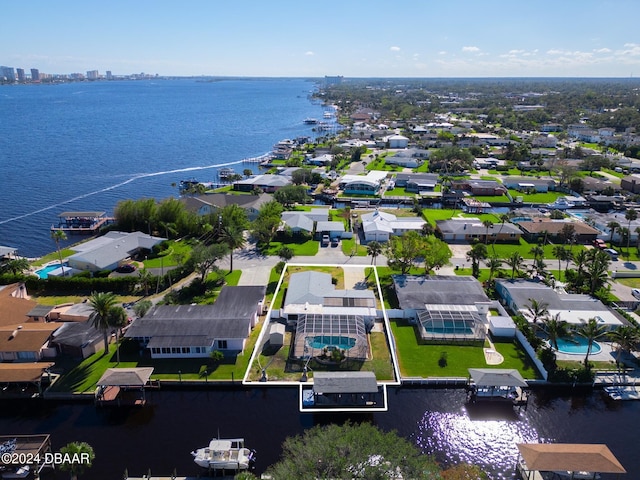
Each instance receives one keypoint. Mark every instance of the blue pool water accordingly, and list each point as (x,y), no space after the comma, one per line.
(322,341)
(44,272)
(577,346)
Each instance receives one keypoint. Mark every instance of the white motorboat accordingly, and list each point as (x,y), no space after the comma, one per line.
(561,203)
(225,454)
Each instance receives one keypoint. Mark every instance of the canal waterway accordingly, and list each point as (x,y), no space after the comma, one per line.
(160,436)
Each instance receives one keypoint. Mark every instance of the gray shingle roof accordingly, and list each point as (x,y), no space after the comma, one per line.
(415,291)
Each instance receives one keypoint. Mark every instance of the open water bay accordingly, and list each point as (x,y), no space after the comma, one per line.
(160,436)
(86,146)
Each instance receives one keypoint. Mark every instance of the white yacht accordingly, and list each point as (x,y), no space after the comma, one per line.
(561,203)
(225,454)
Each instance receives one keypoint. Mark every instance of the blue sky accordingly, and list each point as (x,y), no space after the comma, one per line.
(419,38)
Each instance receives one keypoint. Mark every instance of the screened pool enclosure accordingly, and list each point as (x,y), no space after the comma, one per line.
(450,325)
(319,334)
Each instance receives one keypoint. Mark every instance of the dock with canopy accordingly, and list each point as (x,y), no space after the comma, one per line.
(497,384)
(123,386)
(566,461)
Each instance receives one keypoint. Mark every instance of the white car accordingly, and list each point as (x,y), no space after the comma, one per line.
(636,292)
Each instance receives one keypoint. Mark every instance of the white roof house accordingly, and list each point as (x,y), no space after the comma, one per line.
(379,226)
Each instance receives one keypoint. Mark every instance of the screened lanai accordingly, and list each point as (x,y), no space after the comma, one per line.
(316,332)
(442,323)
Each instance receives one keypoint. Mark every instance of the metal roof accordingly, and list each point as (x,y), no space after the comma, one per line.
(344,382)
(125,377)
(415,291)
(497,377)
(570,457)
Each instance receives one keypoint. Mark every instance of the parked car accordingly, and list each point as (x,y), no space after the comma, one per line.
(335,241)
(127,268)
(599,243)
(325,240)
(612,253)
(636,292)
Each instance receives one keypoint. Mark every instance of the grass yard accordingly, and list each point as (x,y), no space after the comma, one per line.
(178,252)
(492,198)
(451,360)
(300,246)
(504,250)
(349,244)
(542,197)
(53,256)
(398,192)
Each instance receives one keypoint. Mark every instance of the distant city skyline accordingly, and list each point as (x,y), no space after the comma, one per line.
(287,38)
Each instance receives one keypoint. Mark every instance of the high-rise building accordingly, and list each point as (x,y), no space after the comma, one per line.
(35,75)
(7,74)
(333,80)
(93,75)
(21,77)
(109,75)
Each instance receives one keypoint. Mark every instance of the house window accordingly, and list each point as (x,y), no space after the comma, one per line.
(197,349)
(175,349)
(222,344)
(186,350)
(166,350)
(155,350)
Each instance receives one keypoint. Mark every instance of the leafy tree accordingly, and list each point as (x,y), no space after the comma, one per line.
(145,277)
(435,253)
(591,331)
(81,450)
(285,253)
(102,317)
(354,451)
(631,215)
(291,194)
(247,172)
(403,250)
(142,307)
(59,236)
(464,471)
(203,257)
(627,337)
(373,250)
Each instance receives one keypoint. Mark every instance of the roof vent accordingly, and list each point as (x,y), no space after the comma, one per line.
(15,332)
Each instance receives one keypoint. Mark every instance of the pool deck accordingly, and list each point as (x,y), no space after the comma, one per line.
(607,354)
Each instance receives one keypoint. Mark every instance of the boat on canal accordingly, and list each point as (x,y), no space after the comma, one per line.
(225,454)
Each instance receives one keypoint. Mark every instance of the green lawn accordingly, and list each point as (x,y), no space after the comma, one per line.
(504,250)
(492,198)
(349,245)
(427,360)
(300,246)
(546,197)
(53,256)
(398,192)
(177,252)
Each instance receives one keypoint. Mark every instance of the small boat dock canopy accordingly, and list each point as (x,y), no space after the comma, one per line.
(344,382)
(494,377)
(569,457)
(125,377)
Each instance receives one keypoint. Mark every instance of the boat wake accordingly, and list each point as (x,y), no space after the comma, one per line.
(133,178)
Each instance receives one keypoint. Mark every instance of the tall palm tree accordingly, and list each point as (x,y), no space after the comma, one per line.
(591,331)
(555,328)
(503,218)
(631,215)
(374,249)
(59,236)
(145,277)
(102,303)
(537,251)
(561,253)
(117,320)
(612,226)
(233,238)
(515,261)
(627,337)
(487,225)
(493,264)
(478,252)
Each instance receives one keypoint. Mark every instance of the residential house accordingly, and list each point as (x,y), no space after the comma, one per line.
(77,339)
(529,183)
(194,331)
(575,309)
(211,202)
(111,250)
(479,187)
(472,229)
(299,222)
(379,226)
(313,292)
(552,230)
(320,160)
(267,183)
(416,182)
(601,220)
(631,183)
(335,229)
(450,307)
(363,184)
(397,141)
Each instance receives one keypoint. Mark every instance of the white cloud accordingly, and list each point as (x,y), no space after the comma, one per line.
(442,52)
(470,49)
(395,49)
(602,50)
(631,49)
(309,54)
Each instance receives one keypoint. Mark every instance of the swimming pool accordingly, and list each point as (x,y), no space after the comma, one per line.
(577,346)
(335,341)
(45,271)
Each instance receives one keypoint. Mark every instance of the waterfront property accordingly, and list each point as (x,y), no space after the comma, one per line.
(111,250)
(81,222)
(32,447)
(379,226)
(416,182)
(497,384)
(553,229)
(575,309)
(333,392)
(123,386)
(267,183)
(210,202)
(369,184)
(194,331)
(472,229)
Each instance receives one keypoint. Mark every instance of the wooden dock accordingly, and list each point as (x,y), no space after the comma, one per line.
(86,223)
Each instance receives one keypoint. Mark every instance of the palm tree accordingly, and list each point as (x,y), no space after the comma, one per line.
(59,236)
(145,277)
(487,224)
(478,252)
(79,450)
(117,319)
(503,218)
(561,253)
(15,265)
(102,303)
(537,251)
(627,338)
(233,238)
(591,331)
(374,249)
(631,215)
(515,261)
(612,226)
(493,264)
(537,310)
(555,328)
